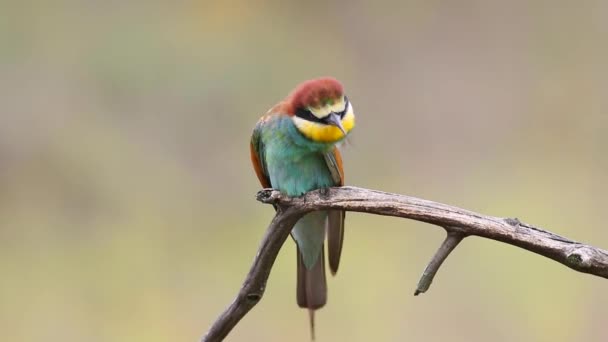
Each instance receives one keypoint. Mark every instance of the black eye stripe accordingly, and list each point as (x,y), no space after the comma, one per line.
(307,115)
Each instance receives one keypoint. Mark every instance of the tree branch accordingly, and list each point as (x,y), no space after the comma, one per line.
(459,223)
(451,241)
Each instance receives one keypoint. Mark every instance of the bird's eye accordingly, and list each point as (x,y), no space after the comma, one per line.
(307,115)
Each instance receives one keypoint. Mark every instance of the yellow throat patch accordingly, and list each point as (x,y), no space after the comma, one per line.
(319,132)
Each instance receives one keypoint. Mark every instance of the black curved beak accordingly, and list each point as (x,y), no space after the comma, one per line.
(334,120)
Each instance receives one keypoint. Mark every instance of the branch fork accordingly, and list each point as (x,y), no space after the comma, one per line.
(458,223)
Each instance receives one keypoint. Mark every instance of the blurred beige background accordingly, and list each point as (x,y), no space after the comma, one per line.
(127,208)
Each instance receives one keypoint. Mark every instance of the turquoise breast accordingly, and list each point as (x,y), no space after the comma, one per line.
(297,165)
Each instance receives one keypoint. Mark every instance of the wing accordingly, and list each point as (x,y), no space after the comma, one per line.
(335,219)
(257,154)
(334,163)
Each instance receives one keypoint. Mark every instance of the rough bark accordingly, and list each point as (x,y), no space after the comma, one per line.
(459,224)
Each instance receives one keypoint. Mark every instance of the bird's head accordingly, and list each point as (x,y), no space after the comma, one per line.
(321,111)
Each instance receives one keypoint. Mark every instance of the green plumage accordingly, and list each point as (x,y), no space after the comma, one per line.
(296,165)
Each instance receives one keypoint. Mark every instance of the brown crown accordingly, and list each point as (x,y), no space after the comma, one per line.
(314,93)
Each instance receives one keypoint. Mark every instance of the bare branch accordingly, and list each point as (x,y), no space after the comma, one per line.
(459,223)
(451,241)
(254,285)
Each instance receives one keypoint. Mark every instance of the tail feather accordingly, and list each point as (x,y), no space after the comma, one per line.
(335,238)
(311,317)
(312,287)
(312,284)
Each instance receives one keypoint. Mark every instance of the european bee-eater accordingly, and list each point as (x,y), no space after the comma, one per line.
(294,150)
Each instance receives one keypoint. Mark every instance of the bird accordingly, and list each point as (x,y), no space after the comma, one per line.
(295,149)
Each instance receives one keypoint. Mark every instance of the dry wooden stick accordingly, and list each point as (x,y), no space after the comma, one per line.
(459,223)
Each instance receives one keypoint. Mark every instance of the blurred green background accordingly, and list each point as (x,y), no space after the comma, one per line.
(127,204)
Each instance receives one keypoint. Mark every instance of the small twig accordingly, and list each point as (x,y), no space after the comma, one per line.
(451,241)
(458,222)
